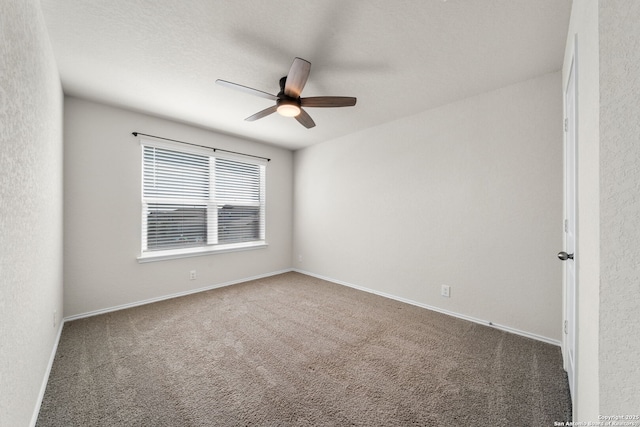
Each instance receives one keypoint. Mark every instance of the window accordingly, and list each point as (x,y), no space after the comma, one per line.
(198,201)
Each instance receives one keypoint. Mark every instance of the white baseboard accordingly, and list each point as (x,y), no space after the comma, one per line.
(166,297)
(45,380)
(439,310)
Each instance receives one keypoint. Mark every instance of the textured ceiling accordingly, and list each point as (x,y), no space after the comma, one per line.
(398,57)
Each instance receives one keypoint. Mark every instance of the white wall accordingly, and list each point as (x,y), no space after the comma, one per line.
(468,195)
(30,208)
(619,207)
(102,212)
(583,29)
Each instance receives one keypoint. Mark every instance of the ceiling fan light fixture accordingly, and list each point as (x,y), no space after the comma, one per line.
(288,109)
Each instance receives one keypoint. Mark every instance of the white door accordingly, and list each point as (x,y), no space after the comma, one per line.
(568,255)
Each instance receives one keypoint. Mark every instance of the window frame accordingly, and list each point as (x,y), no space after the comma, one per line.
(211,206)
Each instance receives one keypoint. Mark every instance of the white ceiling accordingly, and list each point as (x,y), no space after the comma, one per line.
(398,57)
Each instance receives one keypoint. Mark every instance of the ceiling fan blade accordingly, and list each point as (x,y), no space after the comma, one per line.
(261,114)
(246,89)
(297,77)
(305,119)
(328,101)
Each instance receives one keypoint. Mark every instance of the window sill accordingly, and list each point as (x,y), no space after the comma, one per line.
(187,253)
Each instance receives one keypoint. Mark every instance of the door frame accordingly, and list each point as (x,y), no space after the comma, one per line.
(570,299)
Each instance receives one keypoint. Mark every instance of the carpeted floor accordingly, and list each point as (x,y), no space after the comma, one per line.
(292,350)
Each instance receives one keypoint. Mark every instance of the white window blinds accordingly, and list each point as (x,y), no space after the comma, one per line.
(239,193)
(171,174)
(192,200)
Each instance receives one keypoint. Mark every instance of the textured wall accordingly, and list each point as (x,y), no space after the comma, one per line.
(30,207)
(468,195)
(103,212)
(620,207)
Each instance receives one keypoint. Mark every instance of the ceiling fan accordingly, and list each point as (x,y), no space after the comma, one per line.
(288,100)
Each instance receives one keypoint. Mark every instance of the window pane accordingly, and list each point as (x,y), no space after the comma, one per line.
(175,226)
(238,224)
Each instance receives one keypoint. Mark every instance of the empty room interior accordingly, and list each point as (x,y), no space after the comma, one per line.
(319,213)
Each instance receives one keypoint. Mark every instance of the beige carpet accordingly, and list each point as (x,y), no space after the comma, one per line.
(292,350)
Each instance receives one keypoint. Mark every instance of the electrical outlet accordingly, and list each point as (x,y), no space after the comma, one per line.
(192,275)
(445,291)
(299,258)
(55,318)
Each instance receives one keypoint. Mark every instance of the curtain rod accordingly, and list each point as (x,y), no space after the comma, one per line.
(202,146)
